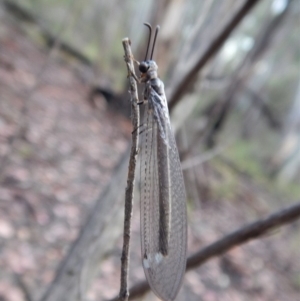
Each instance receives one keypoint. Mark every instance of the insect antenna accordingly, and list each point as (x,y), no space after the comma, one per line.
(156,32)
(150,33)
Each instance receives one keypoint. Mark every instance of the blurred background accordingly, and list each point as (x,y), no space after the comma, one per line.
(232,76)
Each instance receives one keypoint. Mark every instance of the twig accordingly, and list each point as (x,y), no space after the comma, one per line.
(124,293)
(238,237)
(216,44)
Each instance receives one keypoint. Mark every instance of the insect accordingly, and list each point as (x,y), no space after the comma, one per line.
(163,199)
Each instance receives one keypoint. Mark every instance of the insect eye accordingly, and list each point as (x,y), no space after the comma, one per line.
(143,67)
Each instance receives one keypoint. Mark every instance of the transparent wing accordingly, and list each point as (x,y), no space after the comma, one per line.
(163,204)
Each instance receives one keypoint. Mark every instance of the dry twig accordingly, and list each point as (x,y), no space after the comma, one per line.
(124,294)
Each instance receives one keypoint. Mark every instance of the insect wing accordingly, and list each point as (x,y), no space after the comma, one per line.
(163,207)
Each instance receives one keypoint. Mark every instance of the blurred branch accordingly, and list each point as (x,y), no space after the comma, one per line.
(249,232)
(263,107)
(19,12)
(285,163)
(191,76)
(23,287)
(115,101)
(223,105)
(51,40)
(124,294)
(97,237)
(64,47)
(197,160)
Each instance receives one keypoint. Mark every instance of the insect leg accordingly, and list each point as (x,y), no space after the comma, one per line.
(131,73)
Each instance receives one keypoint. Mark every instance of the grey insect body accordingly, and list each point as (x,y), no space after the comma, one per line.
(163,200)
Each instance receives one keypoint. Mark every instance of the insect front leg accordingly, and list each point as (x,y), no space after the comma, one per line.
(131,73)
(141,125)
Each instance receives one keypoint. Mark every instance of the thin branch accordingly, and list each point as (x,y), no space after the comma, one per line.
(51,39)
(244,234)
(249,232)
(197,160)
(242,74)
(214,47)
(124,293)
(264,108)
(92,243)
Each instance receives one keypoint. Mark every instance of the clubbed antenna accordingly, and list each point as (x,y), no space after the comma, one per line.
(150,33)
(156,32)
